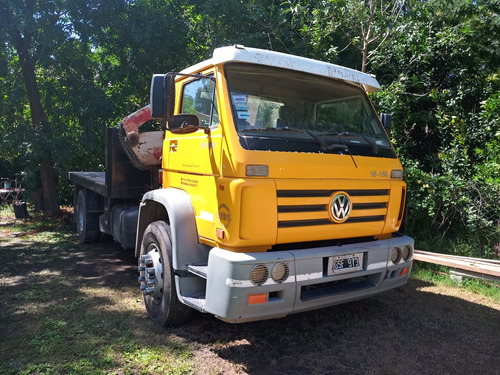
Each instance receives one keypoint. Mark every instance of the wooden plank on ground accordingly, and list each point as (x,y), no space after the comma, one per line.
(490,261)
(480,266)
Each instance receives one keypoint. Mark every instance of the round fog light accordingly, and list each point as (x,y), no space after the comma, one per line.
(407,253)
(396,255)
(280,272)
(259,274)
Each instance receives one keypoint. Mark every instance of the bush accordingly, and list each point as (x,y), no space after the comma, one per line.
(451,214)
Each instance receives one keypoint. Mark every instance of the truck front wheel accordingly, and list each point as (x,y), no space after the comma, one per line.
(87,223)
(157,277)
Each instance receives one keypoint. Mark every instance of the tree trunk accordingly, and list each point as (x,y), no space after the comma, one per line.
(49,186)
(40,124)
(367,37)
(364,61)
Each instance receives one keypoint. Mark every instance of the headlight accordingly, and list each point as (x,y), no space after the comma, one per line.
(407,253)
(259,274)
(396,255)
(280,272)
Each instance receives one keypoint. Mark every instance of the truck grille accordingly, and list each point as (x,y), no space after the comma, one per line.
(307,208)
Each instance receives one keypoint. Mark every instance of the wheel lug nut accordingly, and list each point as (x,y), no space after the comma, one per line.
(141,278)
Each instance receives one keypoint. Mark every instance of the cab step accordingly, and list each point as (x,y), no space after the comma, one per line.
(196,302)
(198,269)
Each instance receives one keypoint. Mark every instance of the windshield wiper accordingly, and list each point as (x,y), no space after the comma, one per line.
(297,130)
(374,146)
(328,147)
(324,146)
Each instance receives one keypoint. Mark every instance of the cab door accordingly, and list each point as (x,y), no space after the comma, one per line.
(193,162)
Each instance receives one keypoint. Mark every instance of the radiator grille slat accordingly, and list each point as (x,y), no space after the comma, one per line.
(302,208)
(328,193)
(368,206)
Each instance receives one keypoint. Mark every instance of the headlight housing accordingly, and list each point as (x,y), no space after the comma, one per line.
(259,274)
(280,272)
(407,253)
(396,255)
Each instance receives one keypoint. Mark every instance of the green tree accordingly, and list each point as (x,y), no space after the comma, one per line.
(350,30)
(441,84)
(89,64)
(21,26)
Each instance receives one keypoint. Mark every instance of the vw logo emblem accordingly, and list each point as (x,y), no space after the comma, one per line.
(340,207)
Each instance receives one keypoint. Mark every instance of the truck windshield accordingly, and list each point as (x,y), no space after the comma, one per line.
(281,110)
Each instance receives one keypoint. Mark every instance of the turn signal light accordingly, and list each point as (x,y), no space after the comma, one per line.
(257,170)
(254,299)
(404,272)
(219,233)
(397,173)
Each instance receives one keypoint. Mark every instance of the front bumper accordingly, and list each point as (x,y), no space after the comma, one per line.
(308,285)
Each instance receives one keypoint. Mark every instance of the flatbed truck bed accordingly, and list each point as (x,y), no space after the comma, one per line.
(95,181)
(108,202)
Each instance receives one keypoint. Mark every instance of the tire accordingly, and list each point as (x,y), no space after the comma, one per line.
(161,301)
(87,223)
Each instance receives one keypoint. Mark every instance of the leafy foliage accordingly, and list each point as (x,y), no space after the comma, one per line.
(437,61)
(445,102)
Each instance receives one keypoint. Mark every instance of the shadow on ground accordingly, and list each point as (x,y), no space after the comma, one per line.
(408,331)
(86,297)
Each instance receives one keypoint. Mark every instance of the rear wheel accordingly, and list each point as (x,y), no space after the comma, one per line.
(157,277)
(87,223)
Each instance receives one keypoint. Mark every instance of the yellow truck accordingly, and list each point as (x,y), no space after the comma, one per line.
(269,187)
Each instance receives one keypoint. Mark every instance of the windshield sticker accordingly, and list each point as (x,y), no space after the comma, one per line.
(239,98)
(240,102)
(243,115)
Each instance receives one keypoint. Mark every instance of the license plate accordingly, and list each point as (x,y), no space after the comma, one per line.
(345,263)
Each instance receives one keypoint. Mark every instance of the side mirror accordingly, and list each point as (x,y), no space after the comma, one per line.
(184,123)
(162,97)
(385,118)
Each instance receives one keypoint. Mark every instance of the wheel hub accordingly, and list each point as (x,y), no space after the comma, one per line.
(151,273)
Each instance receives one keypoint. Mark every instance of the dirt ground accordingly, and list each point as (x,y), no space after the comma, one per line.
(420,329)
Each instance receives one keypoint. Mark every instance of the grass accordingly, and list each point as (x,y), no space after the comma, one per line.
(51,231)
(56,319)
(439,275)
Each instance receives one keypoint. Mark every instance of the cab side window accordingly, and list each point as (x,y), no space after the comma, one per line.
(198,98)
